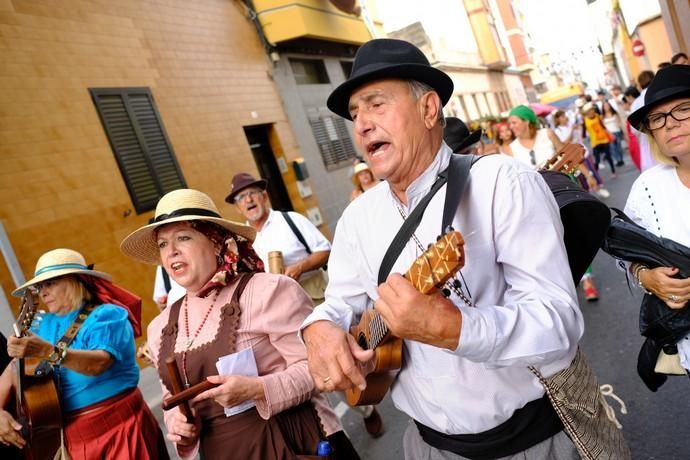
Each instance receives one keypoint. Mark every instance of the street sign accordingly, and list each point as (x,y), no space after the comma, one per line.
(637,47)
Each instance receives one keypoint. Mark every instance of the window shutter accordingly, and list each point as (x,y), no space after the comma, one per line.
(332,137)
(140,144)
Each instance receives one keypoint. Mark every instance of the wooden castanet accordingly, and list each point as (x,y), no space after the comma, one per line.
(185,395)
(176,381)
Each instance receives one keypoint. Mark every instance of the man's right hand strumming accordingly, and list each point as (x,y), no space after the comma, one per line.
(334,357)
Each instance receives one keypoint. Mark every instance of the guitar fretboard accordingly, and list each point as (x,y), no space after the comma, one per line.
(430,270)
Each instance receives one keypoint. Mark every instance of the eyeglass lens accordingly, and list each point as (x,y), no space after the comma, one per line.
(679,113)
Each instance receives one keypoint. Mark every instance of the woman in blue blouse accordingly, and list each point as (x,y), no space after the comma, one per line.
(104,413)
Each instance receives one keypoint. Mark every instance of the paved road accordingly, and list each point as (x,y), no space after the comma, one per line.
(657,424)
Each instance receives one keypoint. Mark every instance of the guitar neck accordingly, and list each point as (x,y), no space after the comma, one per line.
(429,271)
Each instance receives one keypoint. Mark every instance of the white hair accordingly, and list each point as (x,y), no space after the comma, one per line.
(419,89)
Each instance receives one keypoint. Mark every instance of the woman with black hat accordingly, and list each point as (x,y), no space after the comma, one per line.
(660,198)
(232,312)
(86,337)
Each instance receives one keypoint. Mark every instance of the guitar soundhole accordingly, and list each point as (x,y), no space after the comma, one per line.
(362,342)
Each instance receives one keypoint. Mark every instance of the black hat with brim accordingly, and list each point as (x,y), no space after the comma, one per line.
(387,58)
(457,135)
(671,82)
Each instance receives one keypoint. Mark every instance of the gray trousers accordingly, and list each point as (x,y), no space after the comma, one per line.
(558,447)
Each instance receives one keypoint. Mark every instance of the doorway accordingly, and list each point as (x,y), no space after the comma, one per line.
(257,137)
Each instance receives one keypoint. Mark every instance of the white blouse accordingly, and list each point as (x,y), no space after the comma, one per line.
(660,202)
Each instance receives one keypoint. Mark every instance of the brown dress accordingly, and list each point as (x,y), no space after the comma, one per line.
(286,436)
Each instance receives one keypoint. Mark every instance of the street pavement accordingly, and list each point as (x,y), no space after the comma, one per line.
(656,424)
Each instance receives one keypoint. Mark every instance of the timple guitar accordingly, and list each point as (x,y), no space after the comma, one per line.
(566,160)
(38,405)
(430,271)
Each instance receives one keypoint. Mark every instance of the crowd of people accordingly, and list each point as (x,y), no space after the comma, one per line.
(260,347)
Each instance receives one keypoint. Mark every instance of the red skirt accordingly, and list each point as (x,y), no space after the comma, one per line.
(119,428)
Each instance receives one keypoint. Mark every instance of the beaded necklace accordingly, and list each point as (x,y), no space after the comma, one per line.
(190,340)
(453,284)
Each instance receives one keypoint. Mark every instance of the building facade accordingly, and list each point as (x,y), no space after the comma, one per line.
(105,106)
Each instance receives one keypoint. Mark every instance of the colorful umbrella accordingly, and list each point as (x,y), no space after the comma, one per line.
(542,109)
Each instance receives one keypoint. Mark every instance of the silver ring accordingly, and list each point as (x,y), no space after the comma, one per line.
(326,380)
(673,298)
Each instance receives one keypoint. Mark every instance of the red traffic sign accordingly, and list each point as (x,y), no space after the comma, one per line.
(637,47)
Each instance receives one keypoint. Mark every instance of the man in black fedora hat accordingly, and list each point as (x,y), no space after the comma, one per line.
(467,347)
(458,136)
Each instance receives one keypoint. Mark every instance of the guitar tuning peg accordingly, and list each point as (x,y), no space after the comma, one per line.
(429,245)
(445,292)
(457,284)
(438,238)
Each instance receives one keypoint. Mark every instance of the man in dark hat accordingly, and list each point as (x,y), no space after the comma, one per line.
(302,261)
(458,137)
(465,380)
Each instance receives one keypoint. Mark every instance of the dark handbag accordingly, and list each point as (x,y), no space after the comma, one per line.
(628,241)
(663,327)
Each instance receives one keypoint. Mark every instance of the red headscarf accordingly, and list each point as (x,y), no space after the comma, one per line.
(238,255)
(107,292)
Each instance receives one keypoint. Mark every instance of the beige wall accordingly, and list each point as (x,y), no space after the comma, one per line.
(59,181)
(656,43)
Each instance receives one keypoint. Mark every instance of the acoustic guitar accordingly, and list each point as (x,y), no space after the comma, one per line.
(38,405)
(430,271)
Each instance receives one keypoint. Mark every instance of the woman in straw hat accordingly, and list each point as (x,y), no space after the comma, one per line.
(104,413)
(362,178)
(231,310)
(659,199)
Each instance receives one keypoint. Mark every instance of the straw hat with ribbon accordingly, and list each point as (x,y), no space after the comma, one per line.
(177,206)
(56,263)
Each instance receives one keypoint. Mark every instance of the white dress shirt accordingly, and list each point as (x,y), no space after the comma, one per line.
(517,272)
(659,202)
(276,235)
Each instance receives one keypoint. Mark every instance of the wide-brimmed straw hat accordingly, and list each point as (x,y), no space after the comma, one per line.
(359,167)
(59,262)
(671,82)
(177,206)
(458,136)
(384,58)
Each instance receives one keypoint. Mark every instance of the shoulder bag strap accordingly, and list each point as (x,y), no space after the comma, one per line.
(295,230)
(458,170)
(71,332)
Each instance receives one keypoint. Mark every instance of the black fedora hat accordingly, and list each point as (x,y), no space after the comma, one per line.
(388,58)
(240,182)
(457,135)
(669,83)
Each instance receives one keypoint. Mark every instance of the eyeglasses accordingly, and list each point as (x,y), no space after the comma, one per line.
(249,193)
(658,120)
(532,158)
